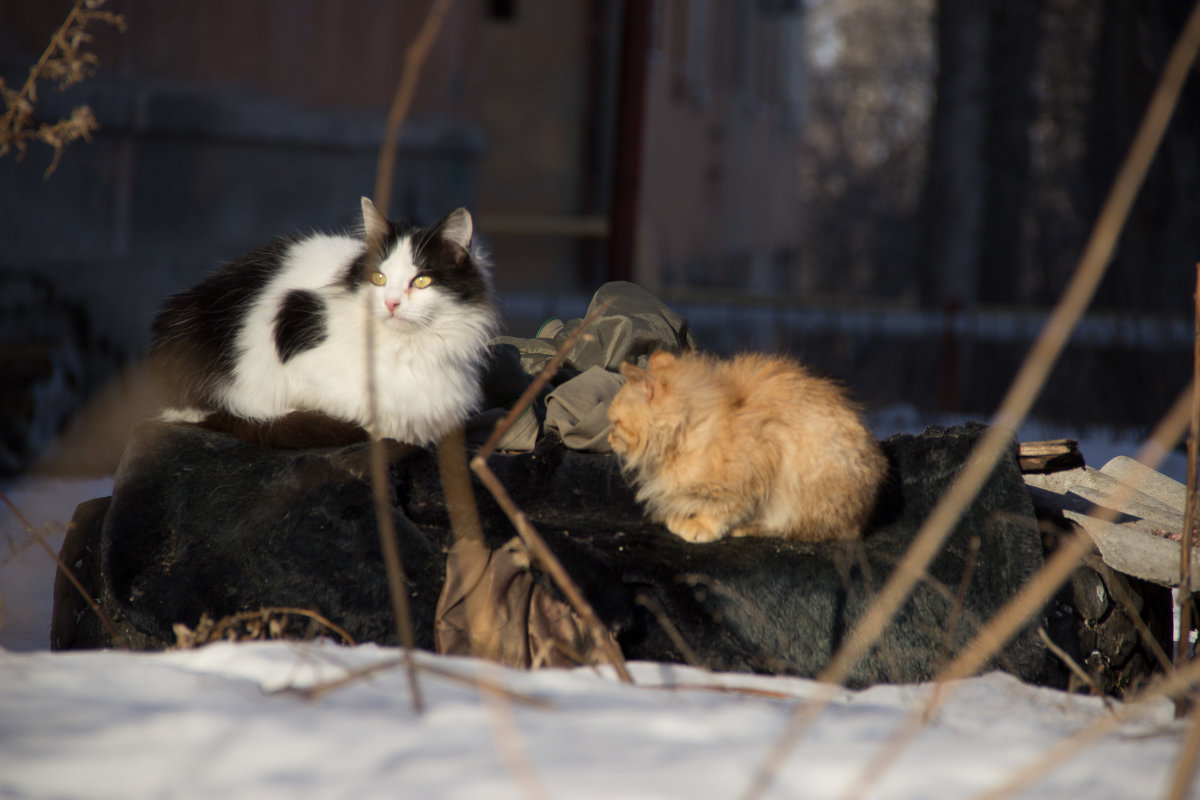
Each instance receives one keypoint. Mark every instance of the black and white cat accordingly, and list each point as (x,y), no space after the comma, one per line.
(283,329)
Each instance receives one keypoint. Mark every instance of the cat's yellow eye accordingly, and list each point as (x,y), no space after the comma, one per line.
(421,281)
(378,278)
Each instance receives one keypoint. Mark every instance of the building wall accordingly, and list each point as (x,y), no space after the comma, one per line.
(345,54)
(541,108)
(725,100)
(718,190)
(224,123)
(227,122)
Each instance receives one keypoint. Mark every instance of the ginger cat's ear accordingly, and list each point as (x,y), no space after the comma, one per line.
(660,359)
(632,372)
(375,224)
(640,382)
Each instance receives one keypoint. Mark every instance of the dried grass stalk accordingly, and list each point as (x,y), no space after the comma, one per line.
(1016,404)
(1014,614)
(264,624)
(414,59)
(66,62)
(65,569)
(601,637)
(1183,648)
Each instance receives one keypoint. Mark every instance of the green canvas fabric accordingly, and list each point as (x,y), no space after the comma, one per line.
(577,410)
(632,325)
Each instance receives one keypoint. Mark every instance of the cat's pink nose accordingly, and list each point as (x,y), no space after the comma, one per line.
(391,305)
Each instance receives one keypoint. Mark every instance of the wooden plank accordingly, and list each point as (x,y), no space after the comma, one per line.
(1050,455)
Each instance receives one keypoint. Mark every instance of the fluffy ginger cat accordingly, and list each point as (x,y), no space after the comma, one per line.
(751,446)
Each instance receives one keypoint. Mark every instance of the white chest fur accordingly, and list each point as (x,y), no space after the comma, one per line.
(426,375)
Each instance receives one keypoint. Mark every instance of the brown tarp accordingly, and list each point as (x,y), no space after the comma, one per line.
(492,607)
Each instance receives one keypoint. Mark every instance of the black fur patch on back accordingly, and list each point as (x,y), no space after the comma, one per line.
(300,324)
(195,332)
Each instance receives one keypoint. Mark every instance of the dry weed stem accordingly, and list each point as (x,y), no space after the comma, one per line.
(65,62)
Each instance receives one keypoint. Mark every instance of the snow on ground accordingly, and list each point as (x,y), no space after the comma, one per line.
(26,570)
(213,723)
(223,721)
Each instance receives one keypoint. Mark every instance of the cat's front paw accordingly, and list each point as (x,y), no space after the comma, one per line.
(696,528)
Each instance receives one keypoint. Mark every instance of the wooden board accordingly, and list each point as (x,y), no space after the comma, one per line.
(1050,455)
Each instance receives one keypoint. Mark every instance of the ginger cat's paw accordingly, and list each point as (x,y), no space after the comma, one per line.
(696,529)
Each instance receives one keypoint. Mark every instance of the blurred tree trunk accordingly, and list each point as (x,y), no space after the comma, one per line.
(1154,267)
(1011,63)
(952,203)
(951,214)
(978,183)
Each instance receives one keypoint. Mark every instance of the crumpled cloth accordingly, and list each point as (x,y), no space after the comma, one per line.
(578,410)
(492,604)
(634,324)
(492,607)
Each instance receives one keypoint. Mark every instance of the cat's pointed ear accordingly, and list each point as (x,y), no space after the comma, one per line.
(632,372)
(457,227)
(375,224)
(660,359)
(639,381)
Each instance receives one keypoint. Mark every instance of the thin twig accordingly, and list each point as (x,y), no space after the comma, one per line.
(1184,775)
(747,691)
(61,60)
(35,73)
(66,570)
(484,636)
(533,540)
(414,59)
(1016,404)
(538,383)
(1032,597)
(650,603)
(219,628)
(510,746)
(319,690)
(456,486)
(545,556)
(1182,680)
(1073,665)
(960,598)
(1117,589)
(1191,509)
(397,582)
